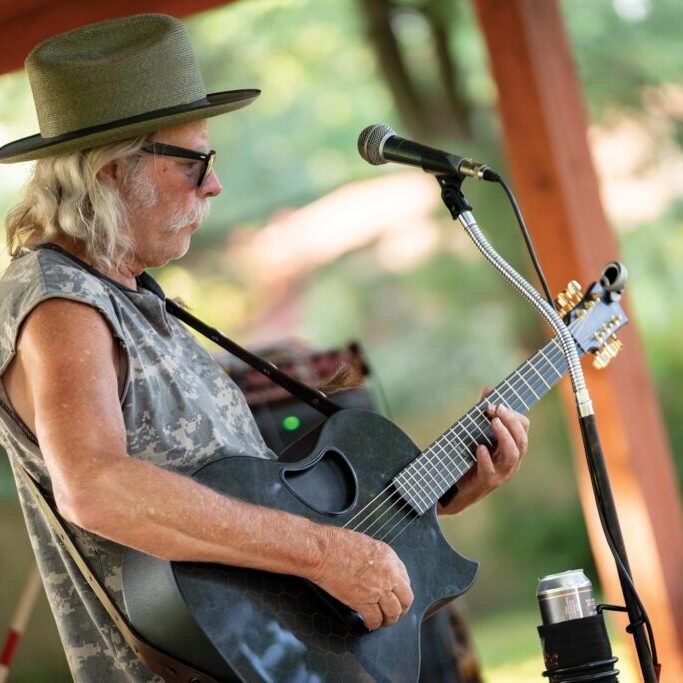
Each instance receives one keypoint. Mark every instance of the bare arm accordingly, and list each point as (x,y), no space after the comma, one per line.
(63,383)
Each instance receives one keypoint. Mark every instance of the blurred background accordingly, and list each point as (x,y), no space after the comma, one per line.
(310,243)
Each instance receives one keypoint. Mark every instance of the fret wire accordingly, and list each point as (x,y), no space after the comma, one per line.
(559,374)
(512,388)
(420,498)
(556,343)
(458,462)
(519,391)
(548,356)
(483,433)
(502,398)
(466,459)
(548,386)
(414,493)
(539,389)
(446,453)
(430,450)
(451,430)
(564,368)
(559,360)
(448,464)
(533,367)
(426,453)
(475,444)
(448,456)
(429,461)
(406,476)
(519,373)
(500,390)
(554,351)
(531,388)
(419,468)
(461,426)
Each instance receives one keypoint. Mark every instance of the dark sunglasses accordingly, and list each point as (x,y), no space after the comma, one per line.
(183,153)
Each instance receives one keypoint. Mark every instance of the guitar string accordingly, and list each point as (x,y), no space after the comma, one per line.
(518,375)
(558,348)
(386,534)
(506,387)
(406,478)
(392,539)
(505,384)
(397,512)
(553,342)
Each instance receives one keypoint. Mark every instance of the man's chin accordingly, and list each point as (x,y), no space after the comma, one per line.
(188,228)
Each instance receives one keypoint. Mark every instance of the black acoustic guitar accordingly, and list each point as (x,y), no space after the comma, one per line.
(359,471)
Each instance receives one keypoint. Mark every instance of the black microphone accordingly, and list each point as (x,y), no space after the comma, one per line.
(379,144)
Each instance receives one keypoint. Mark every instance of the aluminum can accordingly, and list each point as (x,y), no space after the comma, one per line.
(564,596)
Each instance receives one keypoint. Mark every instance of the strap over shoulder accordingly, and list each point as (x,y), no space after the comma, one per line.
(313,397)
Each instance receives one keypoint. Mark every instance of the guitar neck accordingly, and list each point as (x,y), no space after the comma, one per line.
(451,455)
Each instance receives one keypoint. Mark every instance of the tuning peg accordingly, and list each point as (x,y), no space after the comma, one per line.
(607,352)
(568,300)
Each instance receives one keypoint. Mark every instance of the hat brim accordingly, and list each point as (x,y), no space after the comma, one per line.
(38,147)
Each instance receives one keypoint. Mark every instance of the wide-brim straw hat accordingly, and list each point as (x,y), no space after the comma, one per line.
(115,80)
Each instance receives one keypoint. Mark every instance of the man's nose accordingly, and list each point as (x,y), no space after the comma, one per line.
(211,187)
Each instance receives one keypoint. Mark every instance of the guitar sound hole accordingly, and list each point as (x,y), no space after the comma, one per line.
(328,485)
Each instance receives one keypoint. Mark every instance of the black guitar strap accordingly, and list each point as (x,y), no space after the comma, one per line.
(303,392)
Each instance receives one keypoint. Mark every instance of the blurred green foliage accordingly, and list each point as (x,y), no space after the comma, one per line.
(437,332)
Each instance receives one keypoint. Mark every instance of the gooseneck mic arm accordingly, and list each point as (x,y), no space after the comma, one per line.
(461,210)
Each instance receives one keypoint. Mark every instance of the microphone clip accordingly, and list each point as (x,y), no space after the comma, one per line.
(452,196)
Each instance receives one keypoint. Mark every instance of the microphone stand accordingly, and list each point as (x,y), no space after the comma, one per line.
(461,210)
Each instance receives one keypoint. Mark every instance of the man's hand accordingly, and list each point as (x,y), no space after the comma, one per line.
(366,575)
(510,429)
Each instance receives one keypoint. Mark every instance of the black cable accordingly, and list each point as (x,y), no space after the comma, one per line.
(621,567)
(527,239)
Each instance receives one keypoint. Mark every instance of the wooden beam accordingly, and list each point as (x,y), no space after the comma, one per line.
(545,130)
(30,21)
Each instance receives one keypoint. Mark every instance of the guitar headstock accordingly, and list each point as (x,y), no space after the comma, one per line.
(594,317)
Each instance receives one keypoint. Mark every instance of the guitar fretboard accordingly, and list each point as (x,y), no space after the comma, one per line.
(451,455)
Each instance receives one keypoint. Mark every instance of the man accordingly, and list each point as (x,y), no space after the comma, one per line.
(105,399)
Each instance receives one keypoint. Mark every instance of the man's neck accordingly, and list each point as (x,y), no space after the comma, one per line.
(125,275)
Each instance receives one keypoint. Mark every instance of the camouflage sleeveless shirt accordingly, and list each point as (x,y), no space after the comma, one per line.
(180,410)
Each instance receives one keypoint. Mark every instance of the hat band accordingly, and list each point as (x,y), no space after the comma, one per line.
(156,113)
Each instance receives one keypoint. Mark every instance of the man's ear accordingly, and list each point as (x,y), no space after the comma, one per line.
(112,172)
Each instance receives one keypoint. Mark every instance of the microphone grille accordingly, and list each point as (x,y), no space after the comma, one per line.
(371,141)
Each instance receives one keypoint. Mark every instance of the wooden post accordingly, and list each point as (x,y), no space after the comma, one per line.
(545,130)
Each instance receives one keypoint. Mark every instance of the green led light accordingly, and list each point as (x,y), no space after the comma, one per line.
(291,423)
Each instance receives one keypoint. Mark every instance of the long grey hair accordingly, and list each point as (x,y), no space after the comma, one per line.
(65,196)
